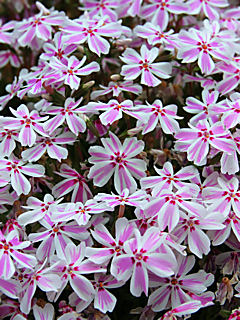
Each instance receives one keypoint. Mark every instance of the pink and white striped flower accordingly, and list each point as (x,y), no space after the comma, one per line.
(179,288)
(78,211)
(68,113)
(102,8)
(73,181)
(143,255)
(92,32)
(159,10)
(8,141)
(55,236)
(210,8)
(40,277)
(198,45)
(184,309)
(197,140)
(72,267)
(116,88)
(5,36)
(142,64)
(46,313)
(113,110)
(166,179)
(36,209)
(190,228)
(118,159)
(27,122)
(70,71)
(50,145)
(231,75)
(111,247)
(157,113)
(17,169)
(224,197)
(11,251)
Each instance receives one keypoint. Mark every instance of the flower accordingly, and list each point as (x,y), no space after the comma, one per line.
(142,64)
(118,159)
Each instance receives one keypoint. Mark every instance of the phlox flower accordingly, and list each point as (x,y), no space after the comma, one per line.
(103,299)
(111,247)
(190,227)
(8,141)
(118,159)
(29,123)
(73,181)
(39,26)
(10,288)
(116,88)
(229,162)
(131,7)
(78,211)
(92,32)
(167,179)
(11,251)
(51,145)
(183,309)
(17,169)
(37,209)
(142,255)
(11,308)
(169,204)
(101,7)
(70,71)
(224,197)
(142,64)
(155,34)
(40,277)
(231,75)
(68,113)
(157,113)
(229,18)
(208,108)
(198,45)
(46,313)
(159,10)
(181,287)
(197,140)
(208,7)
(113,110)
(8,56)
(57,49)
(55,236)
(5,35)
(72,267)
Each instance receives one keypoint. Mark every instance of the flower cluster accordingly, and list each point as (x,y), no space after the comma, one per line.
(119,170)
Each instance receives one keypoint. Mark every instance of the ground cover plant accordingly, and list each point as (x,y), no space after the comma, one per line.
(119,170)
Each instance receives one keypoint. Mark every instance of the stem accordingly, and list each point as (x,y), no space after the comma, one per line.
(121,210)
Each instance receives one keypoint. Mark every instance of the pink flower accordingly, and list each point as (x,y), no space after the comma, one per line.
(46,313)
(183,309)
(155,113)
(10,252)
(57,49)
(36,209)
(41,277)
(142,64)
(68,113)
(142,255)
(51,146)
(73,181)
(39,26)
(8,143)
(197,140)
(231,76)
(55,236)
(92,31)
(78,211)
(17,170)
(27,122)
(209,8)
(5,36)
(113,110)
(72,267)
(198,45)
(179,288)
(118,159)
(70,71)
(101,7)
(166,179)
(159,10)
(116,88)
